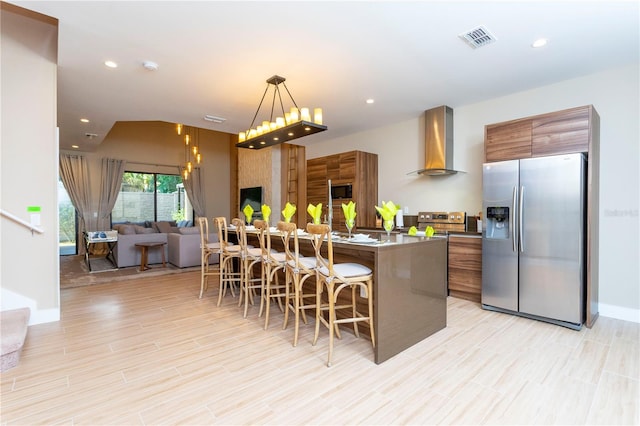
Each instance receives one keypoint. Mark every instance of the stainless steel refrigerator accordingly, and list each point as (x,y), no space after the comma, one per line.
(533,239)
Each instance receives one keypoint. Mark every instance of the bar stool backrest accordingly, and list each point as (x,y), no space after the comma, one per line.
(221,228)
(241,234)
(203,224)
(264,237)
(319,233)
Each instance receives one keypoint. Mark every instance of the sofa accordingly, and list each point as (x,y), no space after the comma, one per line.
(182,248)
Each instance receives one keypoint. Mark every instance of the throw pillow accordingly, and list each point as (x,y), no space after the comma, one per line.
(142,230)
(164,227)
(127,229)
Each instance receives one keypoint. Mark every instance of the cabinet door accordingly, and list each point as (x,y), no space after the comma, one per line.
(507,141)
(348,167)
(465,268)
(317,187)
(562,132)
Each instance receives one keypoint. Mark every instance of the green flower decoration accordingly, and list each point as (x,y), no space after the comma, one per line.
(288,212)
(349,211)
(266,212)
(248,212)
(412,231)
(429,232)
(388,210)
(315,212)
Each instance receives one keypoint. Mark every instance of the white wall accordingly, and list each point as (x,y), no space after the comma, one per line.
(29,267)
(613,93)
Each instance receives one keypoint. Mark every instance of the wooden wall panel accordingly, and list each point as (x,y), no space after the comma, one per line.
(358,168)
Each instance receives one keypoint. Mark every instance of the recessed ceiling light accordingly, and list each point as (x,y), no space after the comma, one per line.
(370,101)
(539,42)
(75,146)
(84,120)
(150,65)
(111,64)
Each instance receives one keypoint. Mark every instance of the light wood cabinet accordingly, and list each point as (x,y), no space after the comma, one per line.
(560,132)
(358,168)
(465,267)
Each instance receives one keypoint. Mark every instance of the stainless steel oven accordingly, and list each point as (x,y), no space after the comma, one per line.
(441,222)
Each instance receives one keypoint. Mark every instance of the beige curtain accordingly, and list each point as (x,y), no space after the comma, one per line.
(195,191)
(74,174)
(111,182)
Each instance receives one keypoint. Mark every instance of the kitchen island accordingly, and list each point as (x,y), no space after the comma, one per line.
(410,287)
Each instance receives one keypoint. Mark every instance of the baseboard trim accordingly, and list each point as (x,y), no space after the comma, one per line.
(619,312)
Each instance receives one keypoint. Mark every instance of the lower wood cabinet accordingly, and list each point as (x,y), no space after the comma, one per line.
(465,267)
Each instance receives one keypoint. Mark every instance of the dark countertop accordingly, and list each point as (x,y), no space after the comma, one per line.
(406,229)
(466,234)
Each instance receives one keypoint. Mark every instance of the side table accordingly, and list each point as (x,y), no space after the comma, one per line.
(110,238)
(144,249)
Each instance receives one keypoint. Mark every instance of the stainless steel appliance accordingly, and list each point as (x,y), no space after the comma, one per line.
(533,238)
(441,222)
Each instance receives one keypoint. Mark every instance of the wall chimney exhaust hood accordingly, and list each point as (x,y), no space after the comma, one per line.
(438,123)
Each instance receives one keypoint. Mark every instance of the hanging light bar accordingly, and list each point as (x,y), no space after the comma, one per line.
(289,126)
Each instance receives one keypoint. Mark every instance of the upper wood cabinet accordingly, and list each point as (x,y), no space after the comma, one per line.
(560,132)
(506,141)
(358,168)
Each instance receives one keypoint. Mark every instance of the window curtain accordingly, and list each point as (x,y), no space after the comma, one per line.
(74,174)
(111,182)
(195,191)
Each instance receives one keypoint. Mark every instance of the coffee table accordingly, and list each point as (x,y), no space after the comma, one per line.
(144,249)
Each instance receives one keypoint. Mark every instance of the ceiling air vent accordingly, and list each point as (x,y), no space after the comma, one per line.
(478,37)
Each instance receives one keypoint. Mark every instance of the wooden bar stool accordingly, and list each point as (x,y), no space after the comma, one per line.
(227,253)
(206,250)
(298,270)
(273,262)
(335,278)
(249,257)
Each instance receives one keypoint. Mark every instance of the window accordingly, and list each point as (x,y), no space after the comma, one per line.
(67,223)
(151,197)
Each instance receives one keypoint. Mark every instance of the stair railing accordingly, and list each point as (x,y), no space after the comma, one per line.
(21,222)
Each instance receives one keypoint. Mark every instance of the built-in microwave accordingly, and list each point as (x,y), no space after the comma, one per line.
(341,191)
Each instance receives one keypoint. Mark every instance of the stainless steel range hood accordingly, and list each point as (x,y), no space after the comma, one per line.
(438,123)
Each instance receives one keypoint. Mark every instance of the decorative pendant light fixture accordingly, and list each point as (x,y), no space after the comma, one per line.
(290,125)
(192,155)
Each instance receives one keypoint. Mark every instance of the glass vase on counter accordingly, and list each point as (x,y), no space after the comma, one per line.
(388,226)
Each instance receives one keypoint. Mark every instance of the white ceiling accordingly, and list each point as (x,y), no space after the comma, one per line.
(214,57)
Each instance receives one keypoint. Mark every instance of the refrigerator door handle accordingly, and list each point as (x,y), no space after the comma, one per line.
(511,218)
(521,219)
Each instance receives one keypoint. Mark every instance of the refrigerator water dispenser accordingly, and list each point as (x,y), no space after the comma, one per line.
(497,226)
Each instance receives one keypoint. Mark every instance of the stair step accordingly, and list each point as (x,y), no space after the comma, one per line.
(13,329)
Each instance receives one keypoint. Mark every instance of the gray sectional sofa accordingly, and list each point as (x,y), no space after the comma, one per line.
(182,248)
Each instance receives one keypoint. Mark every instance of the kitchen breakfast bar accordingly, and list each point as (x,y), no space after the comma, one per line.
(410,287)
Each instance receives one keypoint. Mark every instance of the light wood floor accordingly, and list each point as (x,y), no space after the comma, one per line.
(150,352)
